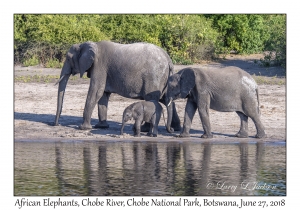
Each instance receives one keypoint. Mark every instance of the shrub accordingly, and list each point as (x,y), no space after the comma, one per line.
(242,33)
(43,52)
(187,37)
(33,61)
(54,63)
(131,28)
(275,45)
(48,37)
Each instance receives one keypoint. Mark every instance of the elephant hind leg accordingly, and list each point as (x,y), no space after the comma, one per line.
(243,133)
(155,122)
(259,127)
(151,130)
(255,116)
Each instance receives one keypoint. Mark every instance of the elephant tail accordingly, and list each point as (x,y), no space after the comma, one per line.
(258,106)
(171,67)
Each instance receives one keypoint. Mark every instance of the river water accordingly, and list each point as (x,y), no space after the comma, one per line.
(133,168)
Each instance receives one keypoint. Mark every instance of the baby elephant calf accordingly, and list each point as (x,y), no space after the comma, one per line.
(148,111)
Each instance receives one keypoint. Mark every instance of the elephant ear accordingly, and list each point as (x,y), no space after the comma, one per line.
(187,82)
(87,56)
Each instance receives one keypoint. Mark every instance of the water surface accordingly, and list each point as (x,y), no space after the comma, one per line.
(89,168)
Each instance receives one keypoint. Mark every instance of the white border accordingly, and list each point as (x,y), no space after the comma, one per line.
(154,6)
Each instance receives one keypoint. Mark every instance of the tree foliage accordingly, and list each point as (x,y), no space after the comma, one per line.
(275,45)
(241,33)
(187,38)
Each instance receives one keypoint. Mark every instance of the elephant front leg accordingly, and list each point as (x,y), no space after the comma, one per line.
(137,126)
(94,94)
(175,119)
(190,110)
(102,111)
(203,108)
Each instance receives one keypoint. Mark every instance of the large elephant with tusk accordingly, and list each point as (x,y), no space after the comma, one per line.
(138,71)
(228,89)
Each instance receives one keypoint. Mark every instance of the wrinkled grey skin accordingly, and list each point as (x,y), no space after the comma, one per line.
(227,89)
(143,111)
(138,71)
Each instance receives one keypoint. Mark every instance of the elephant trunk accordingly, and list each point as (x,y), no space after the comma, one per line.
(60,96)
(123,124)
(170,115)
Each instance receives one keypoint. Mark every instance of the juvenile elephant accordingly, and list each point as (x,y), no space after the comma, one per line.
(228,89)
(148,111)
(138,71)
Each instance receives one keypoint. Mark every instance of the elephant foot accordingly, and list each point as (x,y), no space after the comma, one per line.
(145,127)
(207,136)
(151,134)
(242,134)
(170,130)
(102,124)
(85,127)
(260,135)
(184,135)
(137,135)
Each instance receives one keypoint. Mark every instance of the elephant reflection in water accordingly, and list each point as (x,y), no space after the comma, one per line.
(172,168)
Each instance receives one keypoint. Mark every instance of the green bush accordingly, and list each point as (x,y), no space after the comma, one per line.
(242,33)
(187,38)
(57,29)
(44,52)
(131,28)
(275,45)
(48,37)
(33,61)
(54,63)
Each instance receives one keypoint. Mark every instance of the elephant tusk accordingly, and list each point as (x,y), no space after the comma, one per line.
(170,102)
(59,80)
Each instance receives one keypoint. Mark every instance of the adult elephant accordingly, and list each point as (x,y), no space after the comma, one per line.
(228,89)
(138,71)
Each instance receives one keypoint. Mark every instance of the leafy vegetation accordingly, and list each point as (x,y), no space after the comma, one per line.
(275,45)
(45,39)
(241,33)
